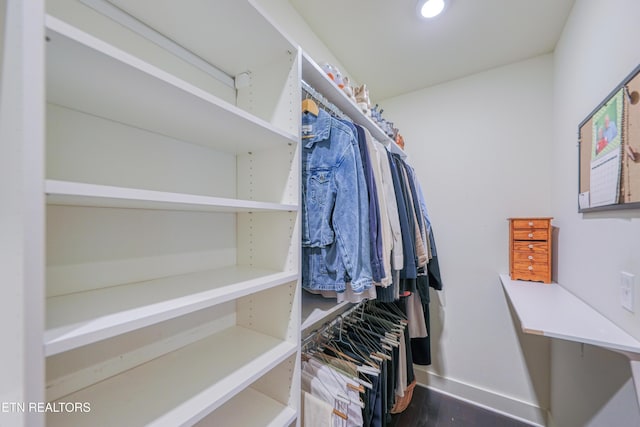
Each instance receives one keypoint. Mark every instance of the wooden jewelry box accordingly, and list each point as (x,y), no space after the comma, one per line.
(530,249)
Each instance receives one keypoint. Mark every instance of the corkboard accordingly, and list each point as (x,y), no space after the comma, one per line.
(630,134)
(586,138)
(630,188)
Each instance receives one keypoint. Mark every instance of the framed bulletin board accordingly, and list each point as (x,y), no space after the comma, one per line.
(609,150)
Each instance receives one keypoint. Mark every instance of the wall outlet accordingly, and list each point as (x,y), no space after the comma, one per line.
(627,290)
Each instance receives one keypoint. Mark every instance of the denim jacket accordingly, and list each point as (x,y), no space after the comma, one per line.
(335,215)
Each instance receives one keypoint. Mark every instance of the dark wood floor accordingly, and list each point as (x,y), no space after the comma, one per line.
(431,409)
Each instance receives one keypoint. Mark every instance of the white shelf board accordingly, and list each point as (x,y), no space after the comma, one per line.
(181,387)
(233,41)
(317,310)
(318,79)
(82,318)
(89,75)
(81,194)
(554,312)
(263,412)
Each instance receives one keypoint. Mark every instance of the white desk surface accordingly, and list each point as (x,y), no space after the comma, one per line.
(552,311)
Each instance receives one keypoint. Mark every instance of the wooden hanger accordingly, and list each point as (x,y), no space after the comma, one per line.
(309,106)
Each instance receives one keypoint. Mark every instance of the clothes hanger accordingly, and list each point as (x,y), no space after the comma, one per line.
(389,311)
(389,338)
(333,360)
(332,349)
(373,330)
(348,381)
(373,342)
(367,334)
(379,332)
(348,344)
(393,332)
(372,353)
(385,324)
(309,106)
(339,365)
(315,346)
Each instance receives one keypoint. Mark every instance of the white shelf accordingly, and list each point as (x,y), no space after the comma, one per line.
(554,312)
(225,33)
(81,194)
(316,309)
(82,318)
(89,75)
(182,387)
(313,74)
(264,412)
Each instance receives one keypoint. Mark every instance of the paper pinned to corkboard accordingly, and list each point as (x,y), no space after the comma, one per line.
(606,151)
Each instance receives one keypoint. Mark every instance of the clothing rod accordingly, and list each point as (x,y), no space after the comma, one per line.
(132,23)
(318,97)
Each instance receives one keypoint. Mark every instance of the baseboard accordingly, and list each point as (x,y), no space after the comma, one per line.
(505,405)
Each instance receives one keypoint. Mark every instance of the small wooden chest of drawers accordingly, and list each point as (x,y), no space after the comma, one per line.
(530,249)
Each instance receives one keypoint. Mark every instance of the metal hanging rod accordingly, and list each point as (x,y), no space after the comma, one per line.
(324,102)
(123,18)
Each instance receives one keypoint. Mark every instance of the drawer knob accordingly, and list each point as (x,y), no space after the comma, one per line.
(530,256)
(530,235)
(530,223)
(530,267)
(530,246)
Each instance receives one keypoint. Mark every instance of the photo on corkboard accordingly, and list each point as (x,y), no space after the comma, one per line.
(607,134)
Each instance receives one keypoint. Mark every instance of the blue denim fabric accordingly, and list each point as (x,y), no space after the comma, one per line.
(335,215)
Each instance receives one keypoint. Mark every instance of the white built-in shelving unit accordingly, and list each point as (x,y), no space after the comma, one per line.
(170,201)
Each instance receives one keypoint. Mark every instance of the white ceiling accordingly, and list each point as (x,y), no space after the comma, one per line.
(384,43)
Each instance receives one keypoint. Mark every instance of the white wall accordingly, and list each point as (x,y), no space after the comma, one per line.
(597,50)
(480,146)
(3,13)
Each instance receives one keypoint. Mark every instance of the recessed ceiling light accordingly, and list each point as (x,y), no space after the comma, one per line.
(430,8)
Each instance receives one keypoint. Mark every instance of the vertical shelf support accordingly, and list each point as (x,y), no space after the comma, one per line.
(22,247)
